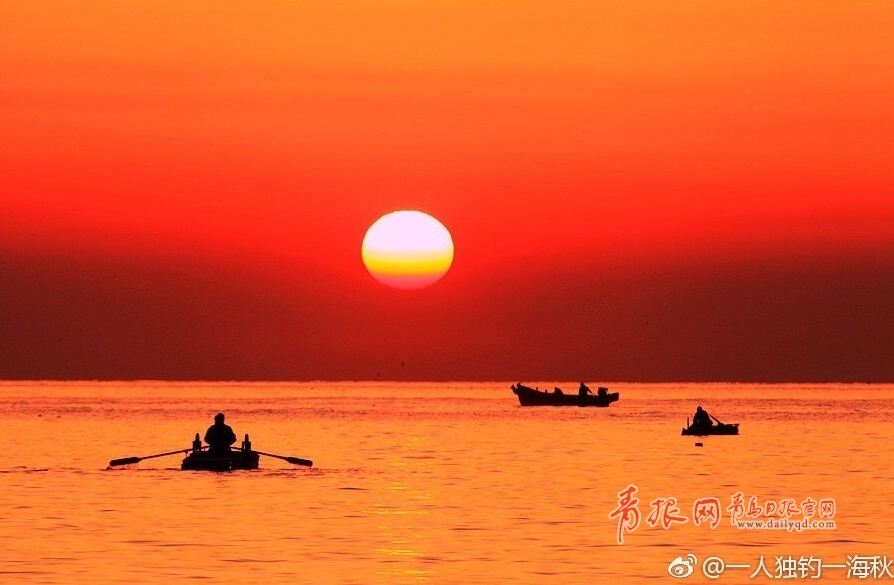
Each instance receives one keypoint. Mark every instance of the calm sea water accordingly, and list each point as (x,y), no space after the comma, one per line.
(429,483)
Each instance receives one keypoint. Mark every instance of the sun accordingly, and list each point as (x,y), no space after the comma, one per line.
(407,249)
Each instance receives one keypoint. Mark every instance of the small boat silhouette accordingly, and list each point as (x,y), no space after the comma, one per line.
(533,397)
(199,458)
(718,429)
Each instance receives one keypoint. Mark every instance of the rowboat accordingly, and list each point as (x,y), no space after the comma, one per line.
(205,461)
(533,397)
(199,458)
(718,429)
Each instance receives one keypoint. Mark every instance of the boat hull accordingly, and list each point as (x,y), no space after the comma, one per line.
(724,429)
(204,461)
(531,397)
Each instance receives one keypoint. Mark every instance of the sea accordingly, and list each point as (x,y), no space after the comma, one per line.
(447,483)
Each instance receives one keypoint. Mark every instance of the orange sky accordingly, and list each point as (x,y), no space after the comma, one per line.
(636,190)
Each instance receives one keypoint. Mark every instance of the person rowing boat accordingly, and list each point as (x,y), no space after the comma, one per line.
(704,424)
(701,420)
(218,456)
(219,436)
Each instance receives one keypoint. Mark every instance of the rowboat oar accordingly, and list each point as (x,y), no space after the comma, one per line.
(292,460)
(717,421)
(132,460)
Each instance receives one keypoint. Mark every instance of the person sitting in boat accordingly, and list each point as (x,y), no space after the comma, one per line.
(557,390)
(701,419)
(583,390)
(602,392)
(219,436)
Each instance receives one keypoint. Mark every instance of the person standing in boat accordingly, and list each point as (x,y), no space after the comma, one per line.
(219,436)
(701,419)
(583,390)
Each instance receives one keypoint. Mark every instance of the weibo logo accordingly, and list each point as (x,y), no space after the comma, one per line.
(682,567)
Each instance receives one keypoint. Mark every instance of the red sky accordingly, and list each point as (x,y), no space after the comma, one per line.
(636,190)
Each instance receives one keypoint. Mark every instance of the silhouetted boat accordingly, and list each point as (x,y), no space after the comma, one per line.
(718,429)
(200,459)
(205,461)
(533,397)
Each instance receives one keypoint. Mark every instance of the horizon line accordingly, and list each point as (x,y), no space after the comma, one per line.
(420,381)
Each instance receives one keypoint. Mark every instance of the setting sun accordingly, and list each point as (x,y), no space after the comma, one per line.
(407,249)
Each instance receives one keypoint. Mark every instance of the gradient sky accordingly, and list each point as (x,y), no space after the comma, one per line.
(636,190)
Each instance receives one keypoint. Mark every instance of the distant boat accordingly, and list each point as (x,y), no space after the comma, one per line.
(718,429)
(533,397)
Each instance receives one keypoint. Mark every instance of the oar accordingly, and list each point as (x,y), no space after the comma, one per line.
(717,421)
(292,460)
(132,460)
